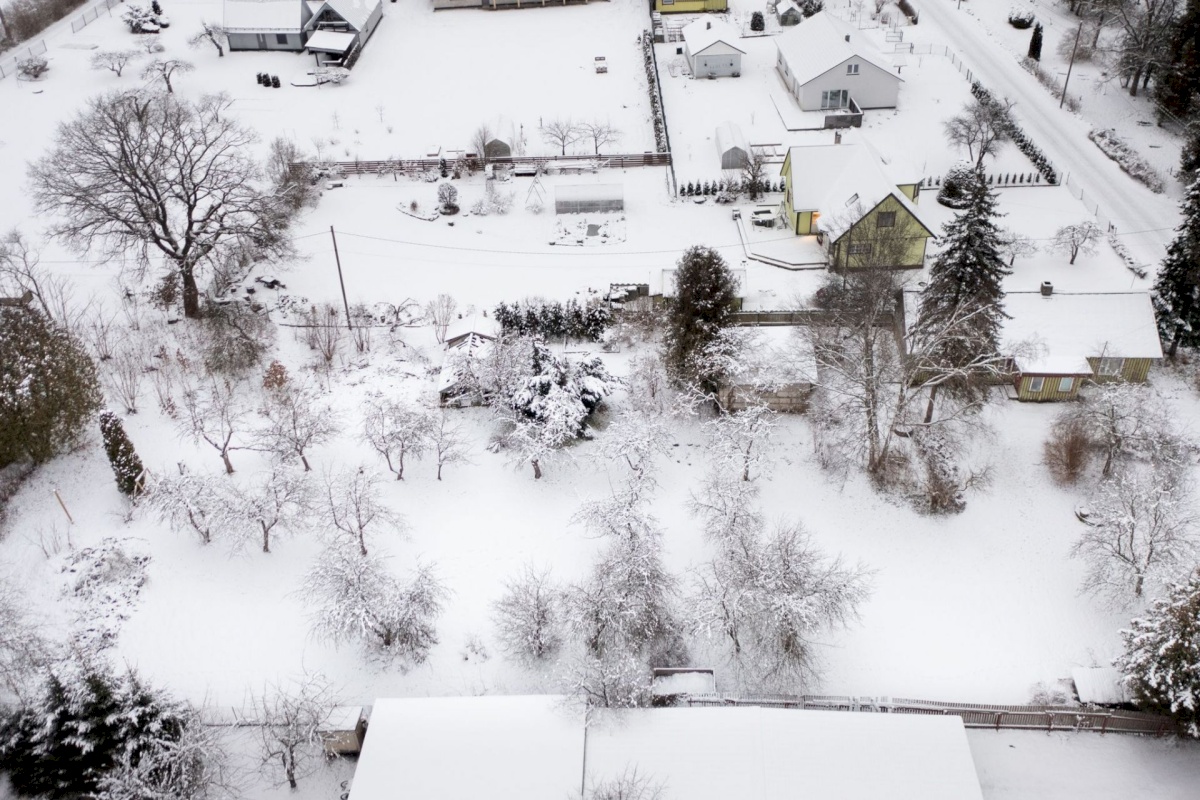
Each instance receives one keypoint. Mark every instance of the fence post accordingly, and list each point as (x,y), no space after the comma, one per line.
(999,716)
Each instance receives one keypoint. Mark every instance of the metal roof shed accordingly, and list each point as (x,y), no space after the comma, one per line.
(589,198)
(735,153)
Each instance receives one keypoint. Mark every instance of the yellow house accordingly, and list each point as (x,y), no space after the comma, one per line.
(865,219)
(690,6)
(1061,339)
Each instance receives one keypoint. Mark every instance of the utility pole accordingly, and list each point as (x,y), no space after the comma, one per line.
(1067,81)
(341,281)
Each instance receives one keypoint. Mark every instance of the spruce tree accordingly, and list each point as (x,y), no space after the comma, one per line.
(1189,158)
(48,387)
(701,309)
(1035,43)
(1177,289)
(966,279)
(126,465)
(1177,87)
(1161,661)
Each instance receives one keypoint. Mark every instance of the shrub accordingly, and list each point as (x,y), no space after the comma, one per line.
(33,67)
(955,191)
(1130,162)
(1019,137)
(126,466)
(236,338)
(1020,19)
(1068,451)
(553,319)
(757,23)
(448,199)
(810,7)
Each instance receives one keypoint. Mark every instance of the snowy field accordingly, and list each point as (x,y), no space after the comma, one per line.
(977,607)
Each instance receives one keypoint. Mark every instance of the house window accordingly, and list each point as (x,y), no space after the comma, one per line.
(1066,385)
(835,98)
(1110,367)
(852,69)
(281,38)
(668,2)
(1035,384)
(885,219)
(859,249)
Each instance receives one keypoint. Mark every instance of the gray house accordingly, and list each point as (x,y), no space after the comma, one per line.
(266,24)
(827,64)
(338,27)
(709,49)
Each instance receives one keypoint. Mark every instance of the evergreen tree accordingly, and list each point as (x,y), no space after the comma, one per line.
(1161,661)
(1177,88)
(1035,43)
(965,279)
(702,307)
(1189,159)
(1177,290)
(126,465)
(48,387)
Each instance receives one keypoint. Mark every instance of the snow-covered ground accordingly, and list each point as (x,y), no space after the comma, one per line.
(976,607)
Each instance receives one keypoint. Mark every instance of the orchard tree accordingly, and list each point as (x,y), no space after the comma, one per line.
(297,419)
(113,60)
(211,32)
(1075,239)
(216,415)
(193,158)
(396,430)
(164,69)
(981,127)
(561,133)
(290,720)
(601,133)
(1161,661)
(1177,288)
(448,444)
(202,504)
(126,466)
(48,387)
(278,500)
(359,600)
(354,506)
(530,617)
(703,306)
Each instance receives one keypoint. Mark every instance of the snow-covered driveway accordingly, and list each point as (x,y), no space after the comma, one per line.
(1144,220)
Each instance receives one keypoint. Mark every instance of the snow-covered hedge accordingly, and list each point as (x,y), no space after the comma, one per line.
(660,121)
(1020,139)
(1130,162)
(1120,249)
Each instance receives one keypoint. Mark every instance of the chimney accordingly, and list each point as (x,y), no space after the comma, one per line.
(1047,288)
(708,25)
(847,37)
(837,137)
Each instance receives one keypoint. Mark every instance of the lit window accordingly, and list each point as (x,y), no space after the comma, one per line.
(852,69)
(885,219)
(1035,384)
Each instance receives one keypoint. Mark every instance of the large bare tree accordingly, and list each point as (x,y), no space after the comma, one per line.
(138,173)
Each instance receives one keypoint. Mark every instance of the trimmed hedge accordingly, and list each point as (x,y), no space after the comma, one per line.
(1020,138)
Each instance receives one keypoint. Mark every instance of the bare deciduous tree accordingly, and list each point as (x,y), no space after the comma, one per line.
(636,440)
(323,331)
(24,652)
(741,440)
(165,69)
(629,785)
(1127,422)
(290,721)
(1075,239)
(1139,529)
(202,504)
(753,176)
(440,313)
(397,430)
(529,617)
(617,680)
(123,376)
(1016,245)
(113,60)
(447,441)
(354,507)
(601,133)
(21,271)
(479,142)
(211,32)
(981,128)
(193,158)
(561,133)
(216,415)
(278,500)
(297,419)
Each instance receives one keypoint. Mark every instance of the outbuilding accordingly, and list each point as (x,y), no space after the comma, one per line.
(266,24)
(708,46)
(732,147)
(338,28)
(589,198)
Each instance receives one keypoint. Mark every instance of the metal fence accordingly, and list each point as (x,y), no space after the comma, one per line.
(973,715)
(92,14)
(8,65)
(564,163)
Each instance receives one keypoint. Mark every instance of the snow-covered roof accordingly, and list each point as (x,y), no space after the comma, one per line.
(502,747)
(473,323)
(842,182)
(355,12)
(330,41)
(775,356)
(823,41)
(263,16)
(580,192)
(684,681)
(462,351)
(773,754)
(730,136)
(707,31)
(343,718)
(1102,685)
(1062,330)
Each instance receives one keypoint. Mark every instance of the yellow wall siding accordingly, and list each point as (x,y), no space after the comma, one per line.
(1133,370)
(910,190)
(1050,391)
(911,240)
(690,6)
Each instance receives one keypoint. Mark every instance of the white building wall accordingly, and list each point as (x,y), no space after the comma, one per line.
(872,87)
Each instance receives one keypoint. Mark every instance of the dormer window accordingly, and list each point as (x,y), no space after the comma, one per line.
(852,69)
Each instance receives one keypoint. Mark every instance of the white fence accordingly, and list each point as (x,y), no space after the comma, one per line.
(92,14)
(8,65)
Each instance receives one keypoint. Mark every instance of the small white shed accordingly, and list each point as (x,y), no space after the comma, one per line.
(589,198)
(732,147)
(708,45)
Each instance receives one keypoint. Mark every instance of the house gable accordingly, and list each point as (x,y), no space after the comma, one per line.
(868,244)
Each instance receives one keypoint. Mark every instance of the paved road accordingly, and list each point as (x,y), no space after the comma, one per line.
(1145,220)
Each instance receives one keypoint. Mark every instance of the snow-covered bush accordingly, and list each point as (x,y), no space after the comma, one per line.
(530,618)
(660,123)
(1020,18)
(126,465)
(447,199)
(140,19)
(552,319)
(1129,161)
(33,67)
(1068,450)
(1161,661)
(955,191)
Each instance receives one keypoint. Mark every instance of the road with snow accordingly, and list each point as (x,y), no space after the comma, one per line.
(1144,220)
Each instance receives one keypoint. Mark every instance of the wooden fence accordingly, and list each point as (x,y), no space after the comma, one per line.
(804,318)
(565,163)
(974,715)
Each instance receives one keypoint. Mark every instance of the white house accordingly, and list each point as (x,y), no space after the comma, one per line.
(709,49)
(542,748)
(337,27)
(266,24)
(826,63)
